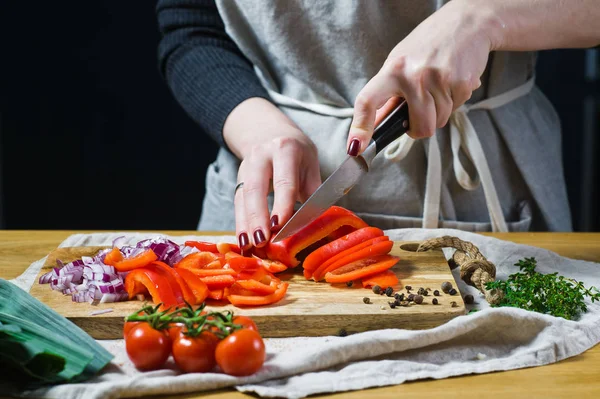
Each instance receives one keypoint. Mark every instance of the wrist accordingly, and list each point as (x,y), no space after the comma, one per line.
(485,18)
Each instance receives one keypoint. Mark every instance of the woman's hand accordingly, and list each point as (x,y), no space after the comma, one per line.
(435,68)
(271,147)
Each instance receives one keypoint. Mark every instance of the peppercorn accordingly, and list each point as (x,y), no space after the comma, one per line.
(469,299)
(376,289)
(397,302)
(399,297)
(452,292)
(434,301)
(454,304)
(392,304)
(418,299)
(343,332)
(349,283)
(389,291)
(422,291)
(408,288)
(366,300)
(436,293)
(404,303)
(411,297)
(446,286)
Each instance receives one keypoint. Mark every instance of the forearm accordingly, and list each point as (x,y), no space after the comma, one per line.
(531,25)
(253,122)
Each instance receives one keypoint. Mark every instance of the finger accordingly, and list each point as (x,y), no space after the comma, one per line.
(440,91)
(388,107)
(373,96)
(256,187)
(421,108)
(241,227)
(286,171)
(310,178)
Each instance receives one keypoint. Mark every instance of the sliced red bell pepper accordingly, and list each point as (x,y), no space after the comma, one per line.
(321,255)
(361,268)
(218,282)
(211,272)
(113,257)
(286,251)
(242,263)
(360,251)
(141,260)
(198,287)
(273,266)
(257,287)
(257,300)
(203,246)
(224,247)
(216,294)
(144,280)
(187,293)
(385,279)
(237,289)
(198,260)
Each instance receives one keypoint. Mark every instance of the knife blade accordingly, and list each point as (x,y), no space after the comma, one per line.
(348,174)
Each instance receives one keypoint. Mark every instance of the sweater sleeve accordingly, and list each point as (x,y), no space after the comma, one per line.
(202,66)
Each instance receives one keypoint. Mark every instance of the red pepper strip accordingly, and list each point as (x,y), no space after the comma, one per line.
(177,283)
(140,260)
(321,255)
(258,252)
(217,282)
(212,272)
(216,294)
(144,280)
(386,279)
(273,266)
(113,257)
(364,250)
(202,246)
(241,263)
(197,260)
(361,268)
(224,247)
(342,231)
(256,287)
(247,300)
(198,287)
(332,219)
(237,289)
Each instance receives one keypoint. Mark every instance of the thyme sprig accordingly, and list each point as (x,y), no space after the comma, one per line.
(544,293)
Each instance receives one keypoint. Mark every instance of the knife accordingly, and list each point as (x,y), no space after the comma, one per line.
(348,174)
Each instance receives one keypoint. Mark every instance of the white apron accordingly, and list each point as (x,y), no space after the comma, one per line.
(497,165)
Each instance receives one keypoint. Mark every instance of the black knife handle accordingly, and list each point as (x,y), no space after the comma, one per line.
(392,127)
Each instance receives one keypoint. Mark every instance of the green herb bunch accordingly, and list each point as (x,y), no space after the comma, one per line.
(544,293)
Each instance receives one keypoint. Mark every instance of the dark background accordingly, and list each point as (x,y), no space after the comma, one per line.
(91,137)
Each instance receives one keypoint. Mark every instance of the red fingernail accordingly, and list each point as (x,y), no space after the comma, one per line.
(259,237)
(274,222)
(243,240)
(353,148)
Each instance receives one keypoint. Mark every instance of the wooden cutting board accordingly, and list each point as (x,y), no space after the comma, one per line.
(309,308)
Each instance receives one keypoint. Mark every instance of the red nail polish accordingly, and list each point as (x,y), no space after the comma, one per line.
(243,240)
(353,148)
(274,222)
(259,237)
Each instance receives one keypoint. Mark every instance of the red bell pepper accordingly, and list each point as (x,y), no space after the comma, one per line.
(218,282)
(367,249)
(203,246)
(258,300)
(144,280)
(141,260)
(199,260)
(286,251)
(361,268)
(113,257)
(385,279)
(175,279)
(327,251)
(225,247)
(197,286)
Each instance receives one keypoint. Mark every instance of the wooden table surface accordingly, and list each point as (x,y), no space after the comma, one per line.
(577,377)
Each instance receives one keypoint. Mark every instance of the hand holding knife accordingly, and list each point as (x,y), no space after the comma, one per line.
(348,174)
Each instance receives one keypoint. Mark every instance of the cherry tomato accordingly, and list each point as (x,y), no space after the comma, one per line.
(241,353)
(175,330)
(147,348)
(128,326)
(246,322)
(195,354)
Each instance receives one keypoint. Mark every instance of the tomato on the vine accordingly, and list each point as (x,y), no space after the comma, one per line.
(246,322)
(241,353)
(175,330)
(147,348)
(195,354)
(128,326)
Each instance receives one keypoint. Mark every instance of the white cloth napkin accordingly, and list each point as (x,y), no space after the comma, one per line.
(493,339)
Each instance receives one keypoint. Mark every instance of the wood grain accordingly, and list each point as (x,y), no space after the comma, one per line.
(309,308)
